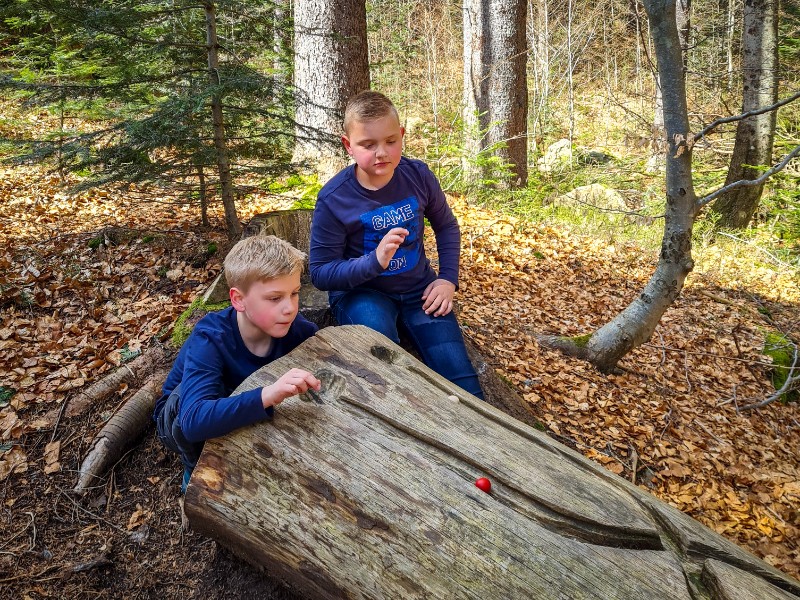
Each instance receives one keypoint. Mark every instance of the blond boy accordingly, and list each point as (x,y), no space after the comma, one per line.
(225,347)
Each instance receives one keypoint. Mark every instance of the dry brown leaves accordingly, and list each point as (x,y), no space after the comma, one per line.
(671,415)
(70,313)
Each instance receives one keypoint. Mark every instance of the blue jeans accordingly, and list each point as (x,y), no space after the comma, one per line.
(438,339)
(170,434)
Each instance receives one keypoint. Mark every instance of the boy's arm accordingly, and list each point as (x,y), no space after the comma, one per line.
(205,412)
(328,267)
(445,227)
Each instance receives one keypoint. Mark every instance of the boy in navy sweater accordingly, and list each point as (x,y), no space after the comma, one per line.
(226,347)
(366,242)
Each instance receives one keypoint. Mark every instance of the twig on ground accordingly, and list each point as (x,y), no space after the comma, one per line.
(788,385)
(23,530)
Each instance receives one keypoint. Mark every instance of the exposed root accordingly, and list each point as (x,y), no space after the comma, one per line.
(135,371)
(120,432)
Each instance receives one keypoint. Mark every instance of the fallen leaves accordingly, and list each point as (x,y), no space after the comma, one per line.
(670,414)
(52,452)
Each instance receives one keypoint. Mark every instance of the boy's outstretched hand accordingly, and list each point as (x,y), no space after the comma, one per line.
(438,297)
(389,245)
(293,382)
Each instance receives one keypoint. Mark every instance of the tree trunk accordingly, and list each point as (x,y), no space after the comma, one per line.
(330,66)
(636,323)
(683,22)
(508,87)
(220,145)
(476,83)
(754,135)
(367,490)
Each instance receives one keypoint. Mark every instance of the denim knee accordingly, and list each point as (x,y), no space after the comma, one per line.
(365,307)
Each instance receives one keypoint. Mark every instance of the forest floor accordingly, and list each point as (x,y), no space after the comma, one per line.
(73,309)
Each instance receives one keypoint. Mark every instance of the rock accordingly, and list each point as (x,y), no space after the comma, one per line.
(594,195)
(556,157)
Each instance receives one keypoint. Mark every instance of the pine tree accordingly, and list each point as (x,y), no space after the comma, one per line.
(143,71)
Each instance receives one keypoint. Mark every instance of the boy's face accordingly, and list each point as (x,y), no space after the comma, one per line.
(376,146)
(271,305)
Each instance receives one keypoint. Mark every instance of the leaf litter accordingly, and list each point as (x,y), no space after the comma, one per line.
(667,419)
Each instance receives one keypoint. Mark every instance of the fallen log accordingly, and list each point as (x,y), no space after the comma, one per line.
(119,432)
(131,373)
(367,490)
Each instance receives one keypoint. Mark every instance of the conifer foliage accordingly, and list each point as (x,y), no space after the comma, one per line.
(146,69)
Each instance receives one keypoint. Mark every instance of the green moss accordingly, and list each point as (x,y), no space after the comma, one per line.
(95,243)
(148,238)
(185,322)
(6,393)
(580,340)
(781,350)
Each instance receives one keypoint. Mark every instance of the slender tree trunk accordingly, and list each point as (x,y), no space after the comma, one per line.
(539,43)
(223,164)
(476,82)
(683,22)
(330,65)
(203,191)
(754,135)
(729,41)
(508,87)
(636,323)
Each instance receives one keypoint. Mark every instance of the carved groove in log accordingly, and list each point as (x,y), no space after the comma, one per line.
(366,490)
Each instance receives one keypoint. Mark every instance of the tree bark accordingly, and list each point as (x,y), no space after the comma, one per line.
(508,87)
(330,66)
(476,83)
(754,135)
(367,490)
(683,22)
(232,222)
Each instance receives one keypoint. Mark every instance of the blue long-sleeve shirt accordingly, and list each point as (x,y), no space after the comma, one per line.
(210,366)
(350,221)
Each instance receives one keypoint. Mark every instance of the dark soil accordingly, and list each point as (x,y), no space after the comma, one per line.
(124,539)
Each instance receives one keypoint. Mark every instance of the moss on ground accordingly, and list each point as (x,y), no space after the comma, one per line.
(188,318)
(782,351)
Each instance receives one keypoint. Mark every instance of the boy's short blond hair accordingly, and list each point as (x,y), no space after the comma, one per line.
(368,106)
(261,258)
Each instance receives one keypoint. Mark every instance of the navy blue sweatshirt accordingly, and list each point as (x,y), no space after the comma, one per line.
(210,366)
(350,221)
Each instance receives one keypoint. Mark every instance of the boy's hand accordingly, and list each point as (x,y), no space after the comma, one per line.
(389,245)
(290,384)
(438,297)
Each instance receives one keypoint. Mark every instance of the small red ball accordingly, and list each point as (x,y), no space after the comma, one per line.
(483,484)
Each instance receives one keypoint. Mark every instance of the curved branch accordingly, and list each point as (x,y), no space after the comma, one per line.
(758,111)
(750,182)
(787,386)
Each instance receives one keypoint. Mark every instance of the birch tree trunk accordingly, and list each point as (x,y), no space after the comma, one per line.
(754,135)
(232,222)
(330,65)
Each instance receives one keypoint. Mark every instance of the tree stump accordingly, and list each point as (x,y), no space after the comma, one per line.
(294,226)
(367,490)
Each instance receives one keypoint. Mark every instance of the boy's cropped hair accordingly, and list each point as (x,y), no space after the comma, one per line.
(261,258)
(368,106)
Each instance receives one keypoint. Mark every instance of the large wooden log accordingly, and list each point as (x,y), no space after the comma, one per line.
(366,490)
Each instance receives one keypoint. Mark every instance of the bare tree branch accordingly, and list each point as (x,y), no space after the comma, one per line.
(708,128)
(749,182)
